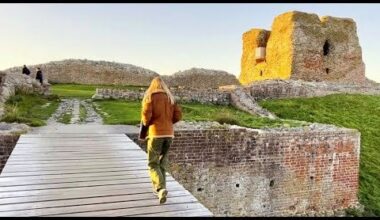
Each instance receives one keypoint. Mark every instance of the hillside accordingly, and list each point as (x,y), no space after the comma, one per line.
(91,72)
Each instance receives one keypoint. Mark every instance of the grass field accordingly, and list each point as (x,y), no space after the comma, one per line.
(83,91)
(127,112)
(361,112)
(32,110)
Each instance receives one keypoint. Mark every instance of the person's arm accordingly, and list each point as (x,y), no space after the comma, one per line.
(177,113)
(146,113)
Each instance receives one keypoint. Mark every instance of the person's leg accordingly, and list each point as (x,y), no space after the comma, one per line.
(154,149)
(164,163)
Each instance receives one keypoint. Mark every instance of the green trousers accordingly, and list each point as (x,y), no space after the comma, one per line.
(157,150)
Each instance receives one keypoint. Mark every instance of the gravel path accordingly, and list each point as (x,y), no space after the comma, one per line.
(72,107)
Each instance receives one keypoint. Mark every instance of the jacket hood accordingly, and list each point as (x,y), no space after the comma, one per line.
(158,91)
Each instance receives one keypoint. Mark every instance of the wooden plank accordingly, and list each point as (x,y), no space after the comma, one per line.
(71,141)
(67,150)
(57,170)
(77,184)
(201,212)
(72,171)
(73,136)
(77,148)
(64,151)
(87,201)
(70,195)
(17,167)
(81,155)
(16,181)
(74,146)
(74,183)
(98,163)
(16,158)
(109,207)
(36,161)
(76,175)
(76,171)
(47,135)
(63,137)
(47,141)
(115,160)
(73,151)
(87,189)
(131,211)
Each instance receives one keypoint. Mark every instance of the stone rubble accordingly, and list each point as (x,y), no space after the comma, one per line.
(6,128)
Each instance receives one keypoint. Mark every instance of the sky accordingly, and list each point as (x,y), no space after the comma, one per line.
(165,38)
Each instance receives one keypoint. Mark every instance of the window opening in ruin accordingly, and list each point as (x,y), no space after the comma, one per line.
(199,189)
(311,177)
(261,73)
(271,183)
(327,70)
(237,185)
(326,48)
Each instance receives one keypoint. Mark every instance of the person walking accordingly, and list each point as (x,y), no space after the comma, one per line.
(39,75)
(159,113)
(25,70)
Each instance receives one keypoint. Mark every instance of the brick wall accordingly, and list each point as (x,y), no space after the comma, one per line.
(239,172)
(7,143)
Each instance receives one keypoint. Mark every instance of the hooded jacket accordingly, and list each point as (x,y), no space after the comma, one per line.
(160,115)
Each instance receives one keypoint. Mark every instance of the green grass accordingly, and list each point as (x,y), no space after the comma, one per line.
(128,112)
(32,110)
(82,113)
(65,118)
(119,112)
(361,112)
(84,91)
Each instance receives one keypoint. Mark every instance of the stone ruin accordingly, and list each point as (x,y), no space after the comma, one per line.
(302,46)
(10,83)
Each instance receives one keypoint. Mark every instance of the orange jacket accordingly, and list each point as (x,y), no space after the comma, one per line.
(160,115)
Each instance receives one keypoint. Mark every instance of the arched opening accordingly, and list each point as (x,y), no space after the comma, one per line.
(326,48)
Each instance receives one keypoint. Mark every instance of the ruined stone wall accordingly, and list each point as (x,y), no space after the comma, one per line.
(304,46)
(277,89)
(200,78)
(11,83)
(91,72)
(326,49)
(240,172)
(211,96)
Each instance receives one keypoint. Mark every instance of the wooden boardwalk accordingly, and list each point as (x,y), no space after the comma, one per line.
(85,175)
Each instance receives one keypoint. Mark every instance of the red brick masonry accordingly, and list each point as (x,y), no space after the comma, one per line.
(237,172)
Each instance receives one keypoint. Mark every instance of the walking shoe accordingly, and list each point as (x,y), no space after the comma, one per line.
(162,195)
(154,191)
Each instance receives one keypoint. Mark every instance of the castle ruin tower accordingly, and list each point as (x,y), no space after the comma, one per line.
(303,46)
